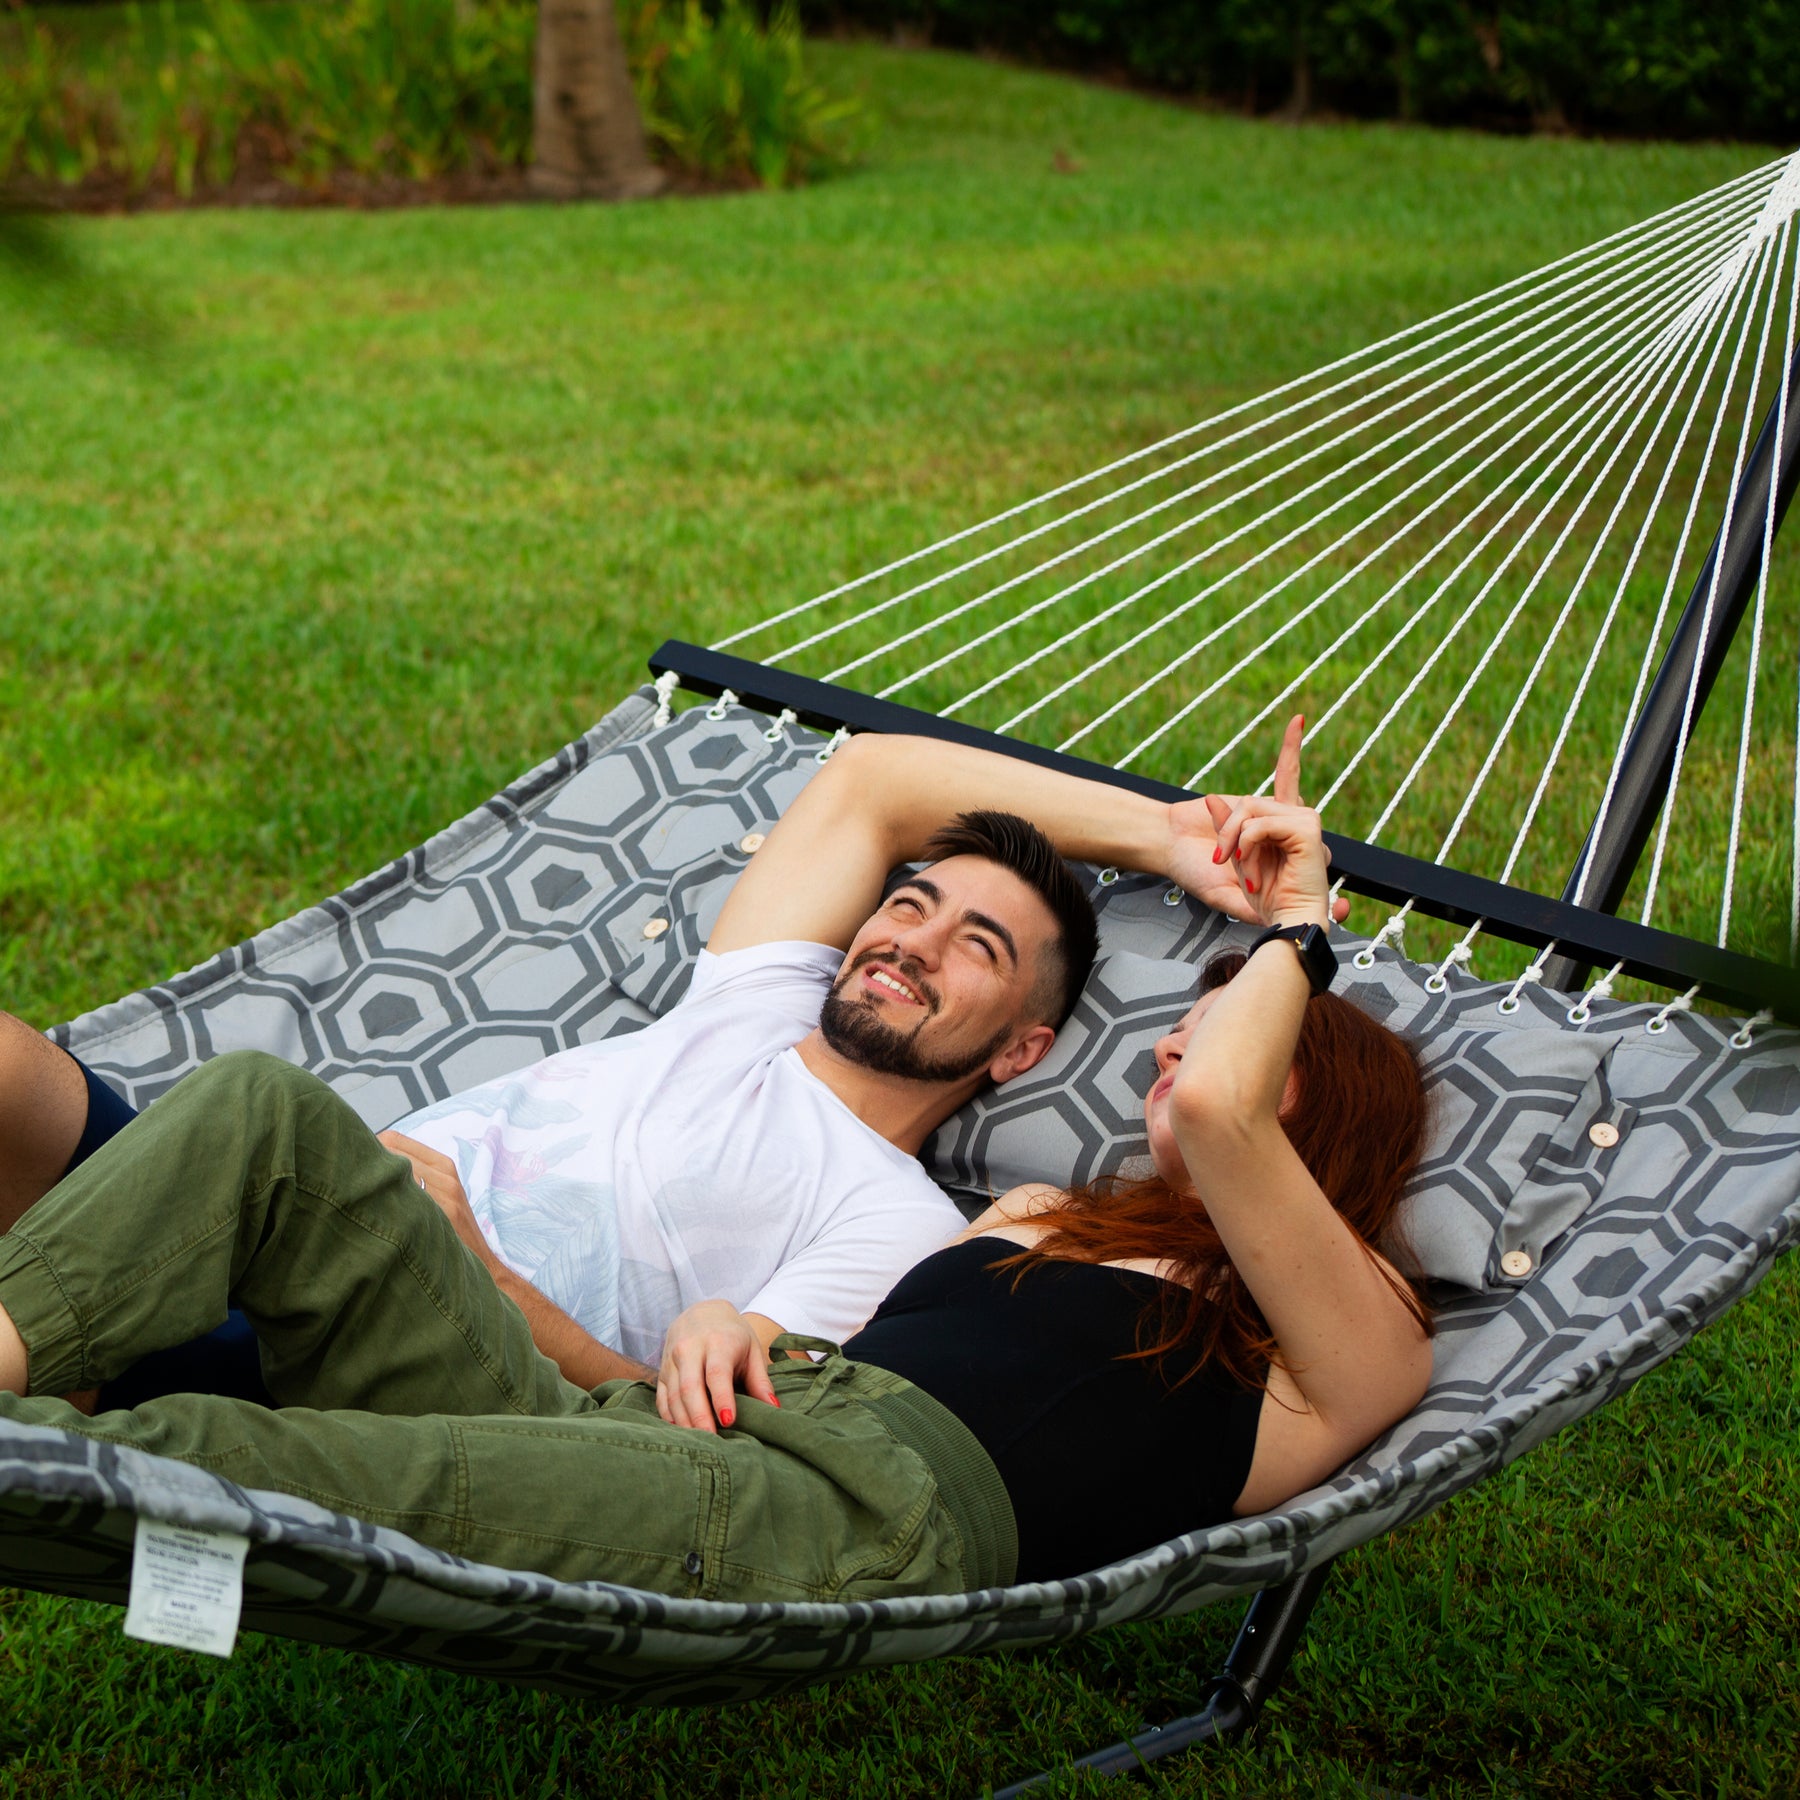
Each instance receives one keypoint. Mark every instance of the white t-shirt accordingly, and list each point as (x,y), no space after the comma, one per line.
(696,1159)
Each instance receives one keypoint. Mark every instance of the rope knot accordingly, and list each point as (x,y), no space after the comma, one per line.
(666,684)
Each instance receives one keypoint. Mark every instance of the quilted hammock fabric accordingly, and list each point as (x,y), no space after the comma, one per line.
(572,905)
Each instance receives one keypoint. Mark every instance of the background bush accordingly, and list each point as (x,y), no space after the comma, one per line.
(192,94)
(1661,67)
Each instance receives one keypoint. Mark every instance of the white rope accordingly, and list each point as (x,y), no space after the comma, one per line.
(1520,605)
(1741,1038)
(1506,332)
(1681,1003)
(1391,933)
(1697,346)
(1712,211)
(1461,953)
(726,700)
(1356,625)
(1555,632)
(1762,580)
(665,685)
(1448,638)
(1700,270)
(1689,318)
(1534,972)
(1583,1009)
(1712,591)
(1654,637)
(1608,342)
(829,748)
(1170,722)
(786,717)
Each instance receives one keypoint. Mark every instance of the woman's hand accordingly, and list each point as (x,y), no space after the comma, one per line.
(710,1352)
(1276,848)
(1208,870)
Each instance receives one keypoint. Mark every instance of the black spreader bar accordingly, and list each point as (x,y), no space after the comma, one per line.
(1368,869)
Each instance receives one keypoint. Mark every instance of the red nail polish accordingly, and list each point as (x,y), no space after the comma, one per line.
(726,1418)
(1249,887)
(1218,853)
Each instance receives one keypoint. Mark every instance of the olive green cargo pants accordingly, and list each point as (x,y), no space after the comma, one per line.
(412,1396)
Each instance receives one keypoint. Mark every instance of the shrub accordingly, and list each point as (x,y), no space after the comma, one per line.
(726,96)
(1669,67)
(193,97)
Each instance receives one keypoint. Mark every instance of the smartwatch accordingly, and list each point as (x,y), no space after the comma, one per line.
(1313,946)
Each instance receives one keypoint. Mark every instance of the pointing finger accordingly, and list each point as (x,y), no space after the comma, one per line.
(1287,764)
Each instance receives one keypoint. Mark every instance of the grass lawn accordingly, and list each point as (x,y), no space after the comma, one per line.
(359,514)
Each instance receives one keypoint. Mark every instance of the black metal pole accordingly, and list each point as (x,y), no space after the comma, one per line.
(1735,561)
(1274,1623)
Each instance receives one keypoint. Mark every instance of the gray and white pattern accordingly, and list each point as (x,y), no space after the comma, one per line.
(521,929)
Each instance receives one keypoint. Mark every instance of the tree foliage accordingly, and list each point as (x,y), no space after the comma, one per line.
(1662,67)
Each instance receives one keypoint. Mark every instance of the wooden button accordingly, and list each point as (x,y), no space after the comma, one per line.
(654,928)
(1603,1136)
(1516,1263)
(751,843)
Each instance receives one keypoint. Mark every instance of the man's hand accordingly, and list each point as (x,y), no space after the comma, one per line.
(437,1175)
(580,1355)
(1193,838)
(711,1351)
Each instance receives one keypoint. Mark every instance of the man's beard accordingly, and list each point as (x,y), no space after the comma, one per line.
(858,1034)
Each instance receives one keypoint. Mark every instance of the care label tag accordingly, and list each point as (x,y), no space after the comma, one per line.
(187,1586)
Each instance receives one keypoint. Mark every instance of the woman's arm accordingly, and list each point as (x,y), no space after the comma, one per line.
(1351,1344)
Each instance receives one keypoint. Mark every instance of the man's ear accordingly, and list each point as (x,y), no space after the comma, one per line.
(1025,1052)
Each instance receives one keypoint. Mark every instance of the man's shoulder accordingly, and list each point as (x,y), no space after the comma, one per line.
(781,968)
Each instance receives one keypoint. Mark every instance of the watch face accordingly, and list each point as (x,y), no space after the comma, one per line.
(1315,950)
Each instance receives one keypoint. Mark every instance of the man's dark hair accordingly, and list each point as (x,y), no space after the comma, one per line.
(1018,845)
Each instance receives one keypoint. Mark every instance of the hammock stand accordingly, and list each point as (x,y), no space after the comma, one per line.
(641,804)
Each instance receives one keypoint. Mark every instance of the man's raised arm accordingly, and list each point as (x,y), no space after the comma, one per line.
(878,801)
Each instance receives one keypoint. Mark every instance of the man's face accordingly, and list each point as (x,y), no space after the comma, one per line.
(937,985)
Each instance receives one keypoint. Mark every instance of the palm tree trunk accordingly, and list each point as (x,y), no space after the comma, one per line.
(587,137)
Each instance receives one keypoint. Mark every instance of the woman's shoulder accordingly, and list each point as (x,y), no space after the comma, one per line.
(1018,1205)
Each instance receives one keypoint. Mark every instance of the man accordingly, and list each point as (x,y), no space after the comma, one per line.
(758,1144)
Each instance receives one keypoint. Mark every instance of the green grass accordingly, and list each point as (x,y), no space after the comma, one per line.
(356,515)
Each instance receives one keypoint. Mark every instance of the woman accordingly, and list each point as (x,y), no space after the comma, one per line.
(988,1424)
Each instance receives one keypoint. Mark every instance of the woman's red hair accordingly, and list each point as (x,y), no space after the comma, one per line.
(1358,1124)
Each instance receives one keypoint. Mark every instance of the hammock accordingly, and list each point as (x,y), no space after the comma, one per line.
(1605,1175)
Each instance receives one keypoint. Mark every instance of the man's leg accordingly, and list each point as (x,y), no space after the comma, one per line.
(251,1180)
(43,1111)
(812,1500)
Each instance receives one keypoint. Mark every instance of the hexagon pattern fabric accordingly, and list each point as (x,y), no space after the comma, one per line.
(571,907)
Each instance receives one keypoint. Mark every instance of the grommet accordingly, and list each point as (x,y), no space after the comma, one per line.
(691,1562)
(1516,1263)
(1435,982)
(1107,877)
(1603,1135)
(1509,1005)
(1364,959)
(1174,897)
(751,842)
(654,928)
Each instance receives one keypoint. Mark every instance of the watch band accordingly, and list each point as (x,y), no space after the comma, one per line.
(1313,947)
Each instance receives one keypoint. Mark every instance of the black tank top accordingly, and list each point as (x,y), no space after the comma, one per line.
(1101,1457)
